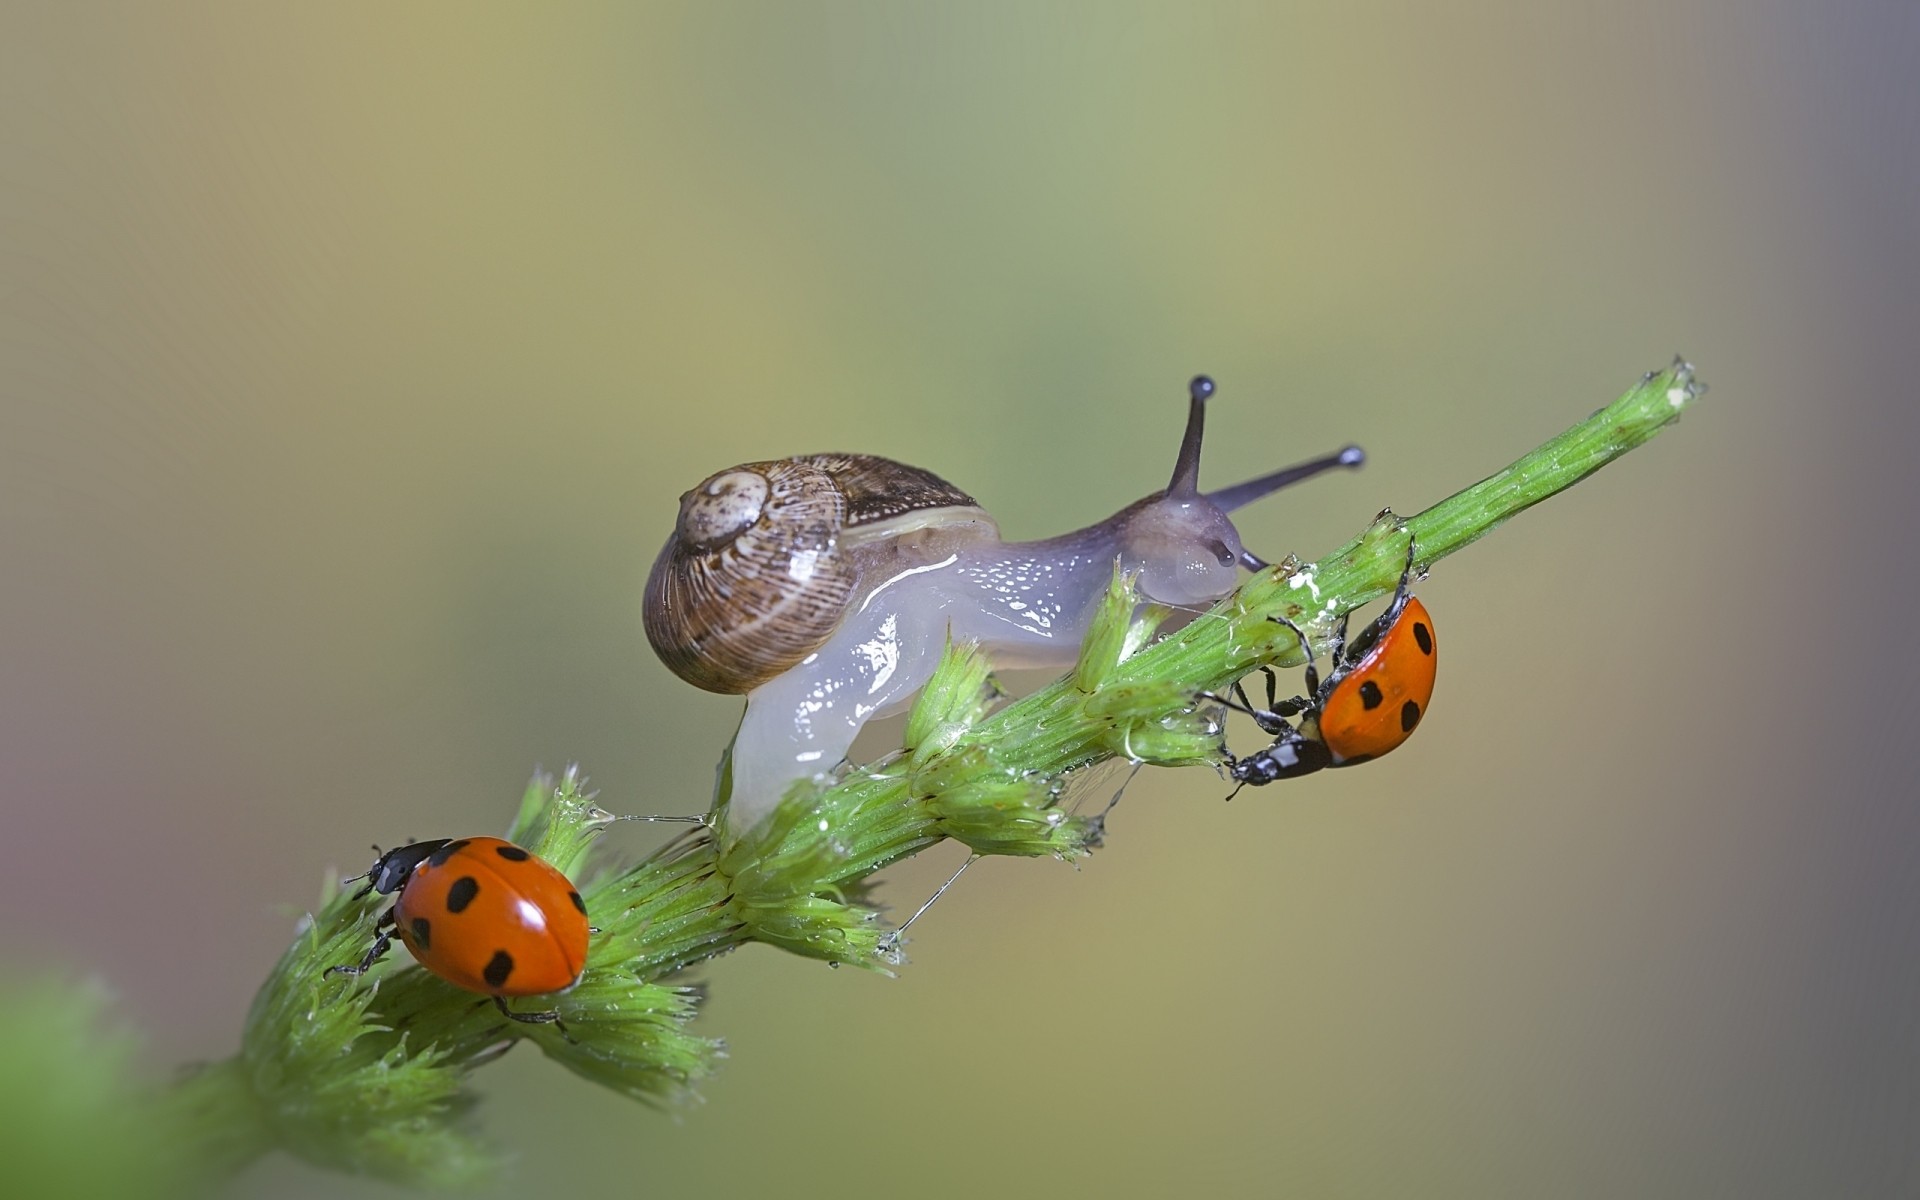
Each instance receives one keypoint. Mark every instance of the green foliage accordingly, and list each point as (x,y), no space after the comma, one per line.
(368,1074)
(559,822)
(956,697)
(1119,628)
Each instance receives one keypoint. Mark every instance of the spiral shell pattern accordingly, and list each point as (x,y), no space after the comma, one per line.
(757,574)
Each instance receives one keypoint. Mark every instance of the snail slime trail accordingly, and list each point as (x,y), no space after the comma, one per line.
(823,588)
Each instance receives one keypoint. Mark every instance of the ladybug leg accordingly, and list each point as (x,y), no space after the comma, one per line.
(1269,721)
(1273,718)
(549,1017)
(1273,689)
(1275,705)
(1300,704)
(383,937)
(1401,591)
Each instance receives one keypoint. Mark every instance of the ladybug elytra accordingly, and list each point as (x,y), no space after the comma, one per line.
(484,915)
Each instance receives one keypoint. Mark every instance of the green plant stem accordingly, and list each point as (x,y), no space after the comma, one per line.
(328,1061)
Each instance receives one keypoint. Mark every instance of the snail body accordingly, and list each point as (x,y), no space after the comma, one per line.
(824,588)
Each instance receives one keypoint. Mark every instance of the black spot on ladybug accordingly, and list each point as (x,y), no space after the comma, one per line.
(1424,636)
(577,901)
(1370,696)
(512,853)
(1409,716)
(462,892)
(439,857)
(422,931)
(498,968)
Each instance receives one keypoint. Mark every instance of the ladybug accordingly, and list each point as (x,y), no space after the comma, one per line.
(484,915)
(1370,702)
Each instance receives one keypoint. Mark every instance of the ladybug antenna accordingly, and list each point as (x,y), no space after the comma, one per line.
(378,854)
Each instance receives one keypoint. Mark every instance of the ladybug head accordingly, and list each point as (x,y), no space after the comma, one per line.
(389,872)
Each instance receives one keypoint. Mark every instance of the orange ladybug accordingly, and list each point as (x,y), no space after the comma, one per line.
(1370,702)
(484,915)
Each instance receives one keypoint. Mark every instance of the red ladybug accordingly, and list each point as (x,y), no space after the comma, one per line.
(1370,702)
(484,915)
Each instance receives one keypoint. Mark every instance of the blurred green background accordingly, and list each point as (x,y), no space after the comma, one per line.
(354,357)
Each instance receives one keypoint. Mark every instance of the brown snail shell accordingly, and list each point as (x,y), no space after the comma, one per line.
(762,564)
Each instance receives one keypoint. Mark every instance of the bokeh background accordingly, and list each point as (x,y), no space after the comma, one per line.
(353,358)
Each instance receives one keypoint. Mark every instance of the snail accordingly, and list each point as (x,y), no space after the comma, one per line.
(824,588)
